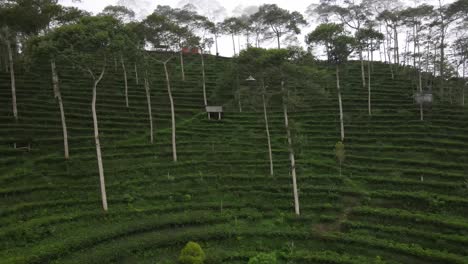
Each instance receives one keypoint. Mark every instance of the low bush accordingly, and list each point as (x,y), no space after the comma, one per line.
(192,253)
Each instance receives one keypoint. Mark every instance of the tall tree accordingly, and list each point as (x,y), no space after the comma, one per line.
(164,35)
(349,13)
(281,21)
(88,45)
(340,46)
(232,26)
(25,18)
(368,39)
(259,29)
(43,48)
(188,22)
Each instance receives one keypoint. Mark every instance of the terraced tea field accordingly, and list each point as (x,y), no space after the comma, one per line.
(401,198)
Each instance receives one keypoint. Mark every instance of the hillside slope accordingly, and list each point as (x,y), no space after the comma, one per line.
(401,199)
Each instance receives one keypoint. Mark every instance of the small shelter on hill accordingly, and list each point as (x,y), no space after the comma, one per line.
(424,97)
(214,112)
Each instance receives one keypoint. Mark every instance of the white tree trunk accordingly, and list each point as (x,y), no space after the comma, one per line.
(205,100)
(363,72)
(182,71)
(397,49)
(125,79)
(174,146)
(267,128)
(58,96)
(421,108)
(369,66)
(12,79)
(464,82)
(150,114)
(340,102)
(291,151)
(233,44)
(98,143)
(136,75)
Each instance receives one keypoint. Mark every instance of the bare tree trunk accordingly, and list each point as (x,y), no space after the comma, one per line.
(291,151)
(238,43)
(216,43)
(182,70)
(464,82)
(397,49)
(97,141)
(279,41)
(169,91)
(267,128)
(415,35)
(58,96)
(369,66)
(234,44)
(125,79)
(205,100)
(389,44)
(136,75)
(363,74)
(421,108)
(12,79)
(150,114)
(340,102)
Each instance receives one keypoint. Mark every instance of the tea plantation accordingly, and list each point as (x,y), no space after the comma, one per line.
(402,196)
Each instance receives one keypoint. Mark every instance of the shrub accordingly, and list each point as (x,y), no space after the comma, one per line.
(263,258)
(192,253)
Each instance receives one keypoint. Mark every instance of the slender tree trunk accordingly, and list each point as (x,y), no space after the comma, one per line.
(415,36)
(419,68)
(389,44)
(464,82)
(205,100)
(442,60)
(136,75)
(340,102)
(238,43)
(182,70)
(174,146)
(97,141)
(150,114)
(279,40)
(233,44)
(397,49)
(12,79)
(125,79)
(267,128)
(369,66)
(58,96)
(216,43)
(363,72)
(407,47)
(291,151)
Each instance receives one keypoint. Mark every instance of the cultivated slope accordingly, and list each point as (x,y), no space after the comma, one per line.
(401,199)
